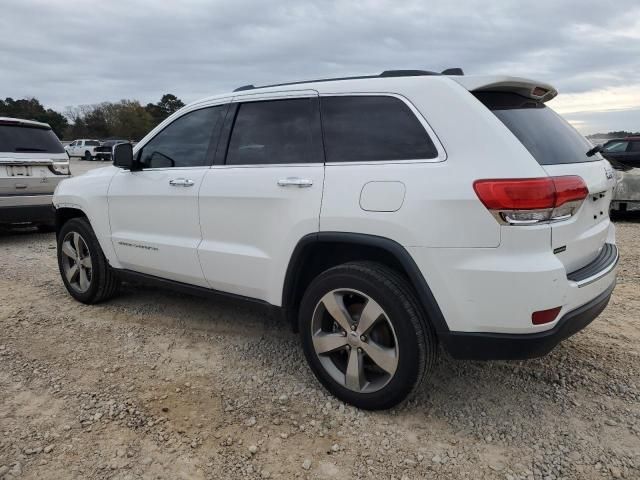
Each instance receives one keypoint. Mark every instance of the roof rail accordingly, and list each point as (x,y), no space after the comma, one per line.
(385,74)
(244,87)
(406,73)
(453,71)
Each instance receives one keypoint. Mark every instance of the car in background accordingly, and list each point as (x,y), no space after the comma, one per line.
(83,148)
(624,156)
(104,151)
(32,163)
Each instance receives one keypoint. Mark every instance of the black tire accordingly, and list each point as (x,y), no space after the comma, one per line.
(104,281)
(415,339)
(87,156)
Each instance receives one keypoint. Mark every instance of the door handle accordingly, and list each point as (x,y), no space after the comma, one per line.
(181,182)
(295,182)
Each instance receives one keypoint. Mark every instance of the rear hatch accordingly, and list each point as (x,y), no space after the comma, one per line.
(560,150)
(32,159)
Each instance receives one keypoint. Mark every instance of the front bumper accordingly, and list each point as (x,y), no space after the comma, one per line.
(628,187)
(505,346)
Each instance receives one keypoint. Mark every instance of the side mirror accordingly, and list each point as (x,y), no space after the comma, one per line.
(122,155)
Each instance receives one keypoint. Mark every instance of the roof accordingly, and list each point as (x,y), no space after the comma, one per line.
(392,79)
(23,122)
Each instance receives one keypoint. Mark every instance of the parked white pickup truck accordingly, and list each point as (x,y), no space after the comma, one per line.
(85,149)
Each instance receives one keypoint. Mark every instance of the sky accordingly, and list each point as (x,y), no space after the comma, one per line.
(71,52)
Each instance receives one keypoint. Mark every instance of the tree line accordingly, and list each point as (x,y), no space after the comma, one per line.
(127,119)
(616,134)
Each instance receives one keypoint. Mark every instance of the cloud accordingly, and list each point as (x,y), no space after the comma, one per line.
(69,52)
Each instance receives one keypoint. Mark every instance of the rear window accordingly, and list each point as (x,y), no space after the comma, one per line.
(548,137)
(21,139)
(372,128)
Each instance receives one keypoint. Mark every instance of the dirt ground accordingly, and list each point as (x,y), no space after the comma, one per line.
(155,384)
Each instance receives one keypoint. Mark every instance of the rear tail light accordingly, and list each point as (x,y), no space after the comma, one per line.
(527,201)
(545,316)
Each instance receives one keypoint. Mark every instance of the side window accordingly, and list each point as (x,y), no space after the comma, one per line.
(635,146)
(616,146)
(276,131)
(372,128)
(184,142)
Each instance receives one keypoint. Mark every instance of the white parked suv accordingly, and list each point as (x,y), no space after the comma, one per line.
(32,163)
(384,215)
(85,149)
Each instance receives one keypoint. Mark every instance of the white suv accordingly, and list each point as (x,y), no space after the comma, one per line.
(32,163)
(384,215)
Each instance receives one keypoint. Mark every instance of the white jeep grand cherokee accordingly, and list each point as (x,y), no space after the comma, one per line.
(384,215)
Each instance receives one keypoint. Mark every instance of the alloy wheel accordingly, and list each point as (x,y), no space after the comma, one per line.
(76,262)
(354,340)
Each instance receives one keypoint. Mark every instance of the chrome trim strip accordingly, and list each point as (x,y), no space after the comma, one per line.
(593,278)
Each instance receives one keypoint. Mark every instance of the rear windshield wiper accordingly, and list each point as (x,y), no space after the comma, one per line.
(594,150)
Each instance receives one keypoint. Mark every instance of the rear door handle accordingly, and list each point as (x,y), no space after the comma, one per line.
(295,182)
(181,182)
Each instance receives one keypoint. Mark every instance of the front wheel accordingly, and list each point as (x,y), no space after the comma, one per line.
(364,335)
(83,266)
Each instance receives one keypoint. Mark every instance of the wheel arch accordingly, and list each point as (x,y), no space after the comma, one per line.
(64,214)
(317,252)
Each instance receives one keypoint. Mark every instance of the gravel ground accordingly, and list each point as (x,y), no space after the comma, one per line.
(155,384)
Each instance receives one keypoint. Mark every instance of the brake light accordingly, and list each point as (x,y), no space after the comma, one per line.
(526,201)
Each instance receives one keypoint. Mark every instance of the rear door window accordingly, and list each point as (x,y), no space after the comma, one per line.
(362,128)
(548,137)
(21,139)
(92,143)
(635,147)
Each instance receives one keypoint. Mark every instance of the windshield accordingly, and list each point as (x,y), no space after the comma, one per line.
(22,139)
(547,136)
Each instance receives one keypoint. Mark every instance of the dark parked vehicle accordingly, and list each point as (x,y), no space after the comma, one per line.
(103,152)
(624,155)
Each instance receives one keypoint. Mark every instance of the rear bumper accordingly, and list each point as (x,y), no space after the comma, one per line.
(27,213)
(504,346)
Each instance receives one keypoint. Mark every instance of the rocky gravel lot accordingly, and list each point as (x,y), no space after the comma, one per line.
(155,384)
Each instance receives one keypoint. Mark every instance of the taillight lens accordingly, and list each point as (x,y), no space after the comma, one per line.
(526,201)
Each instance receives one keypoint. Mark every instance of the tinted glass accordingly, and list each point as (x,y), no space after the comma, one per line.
(26,139)
(278,131)
(184,142)
(372,128)
(615,146)
(92,143)
(549,138)
(635,147)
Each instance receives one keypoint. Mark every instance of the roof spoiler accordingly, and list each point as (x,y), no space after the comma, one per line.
(539,91)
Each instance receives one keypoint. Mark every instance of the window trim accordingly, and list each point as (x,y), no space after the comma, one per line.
(227,129)
(442,154)
(211,149)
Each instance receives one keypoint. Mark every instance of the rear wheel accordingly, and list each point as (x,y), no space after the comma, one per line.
(83,266)
(87,156)
(364,335)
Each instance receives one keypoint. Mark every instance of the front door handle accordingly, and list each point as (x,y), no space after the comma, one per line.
(295,182)
(181,182)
